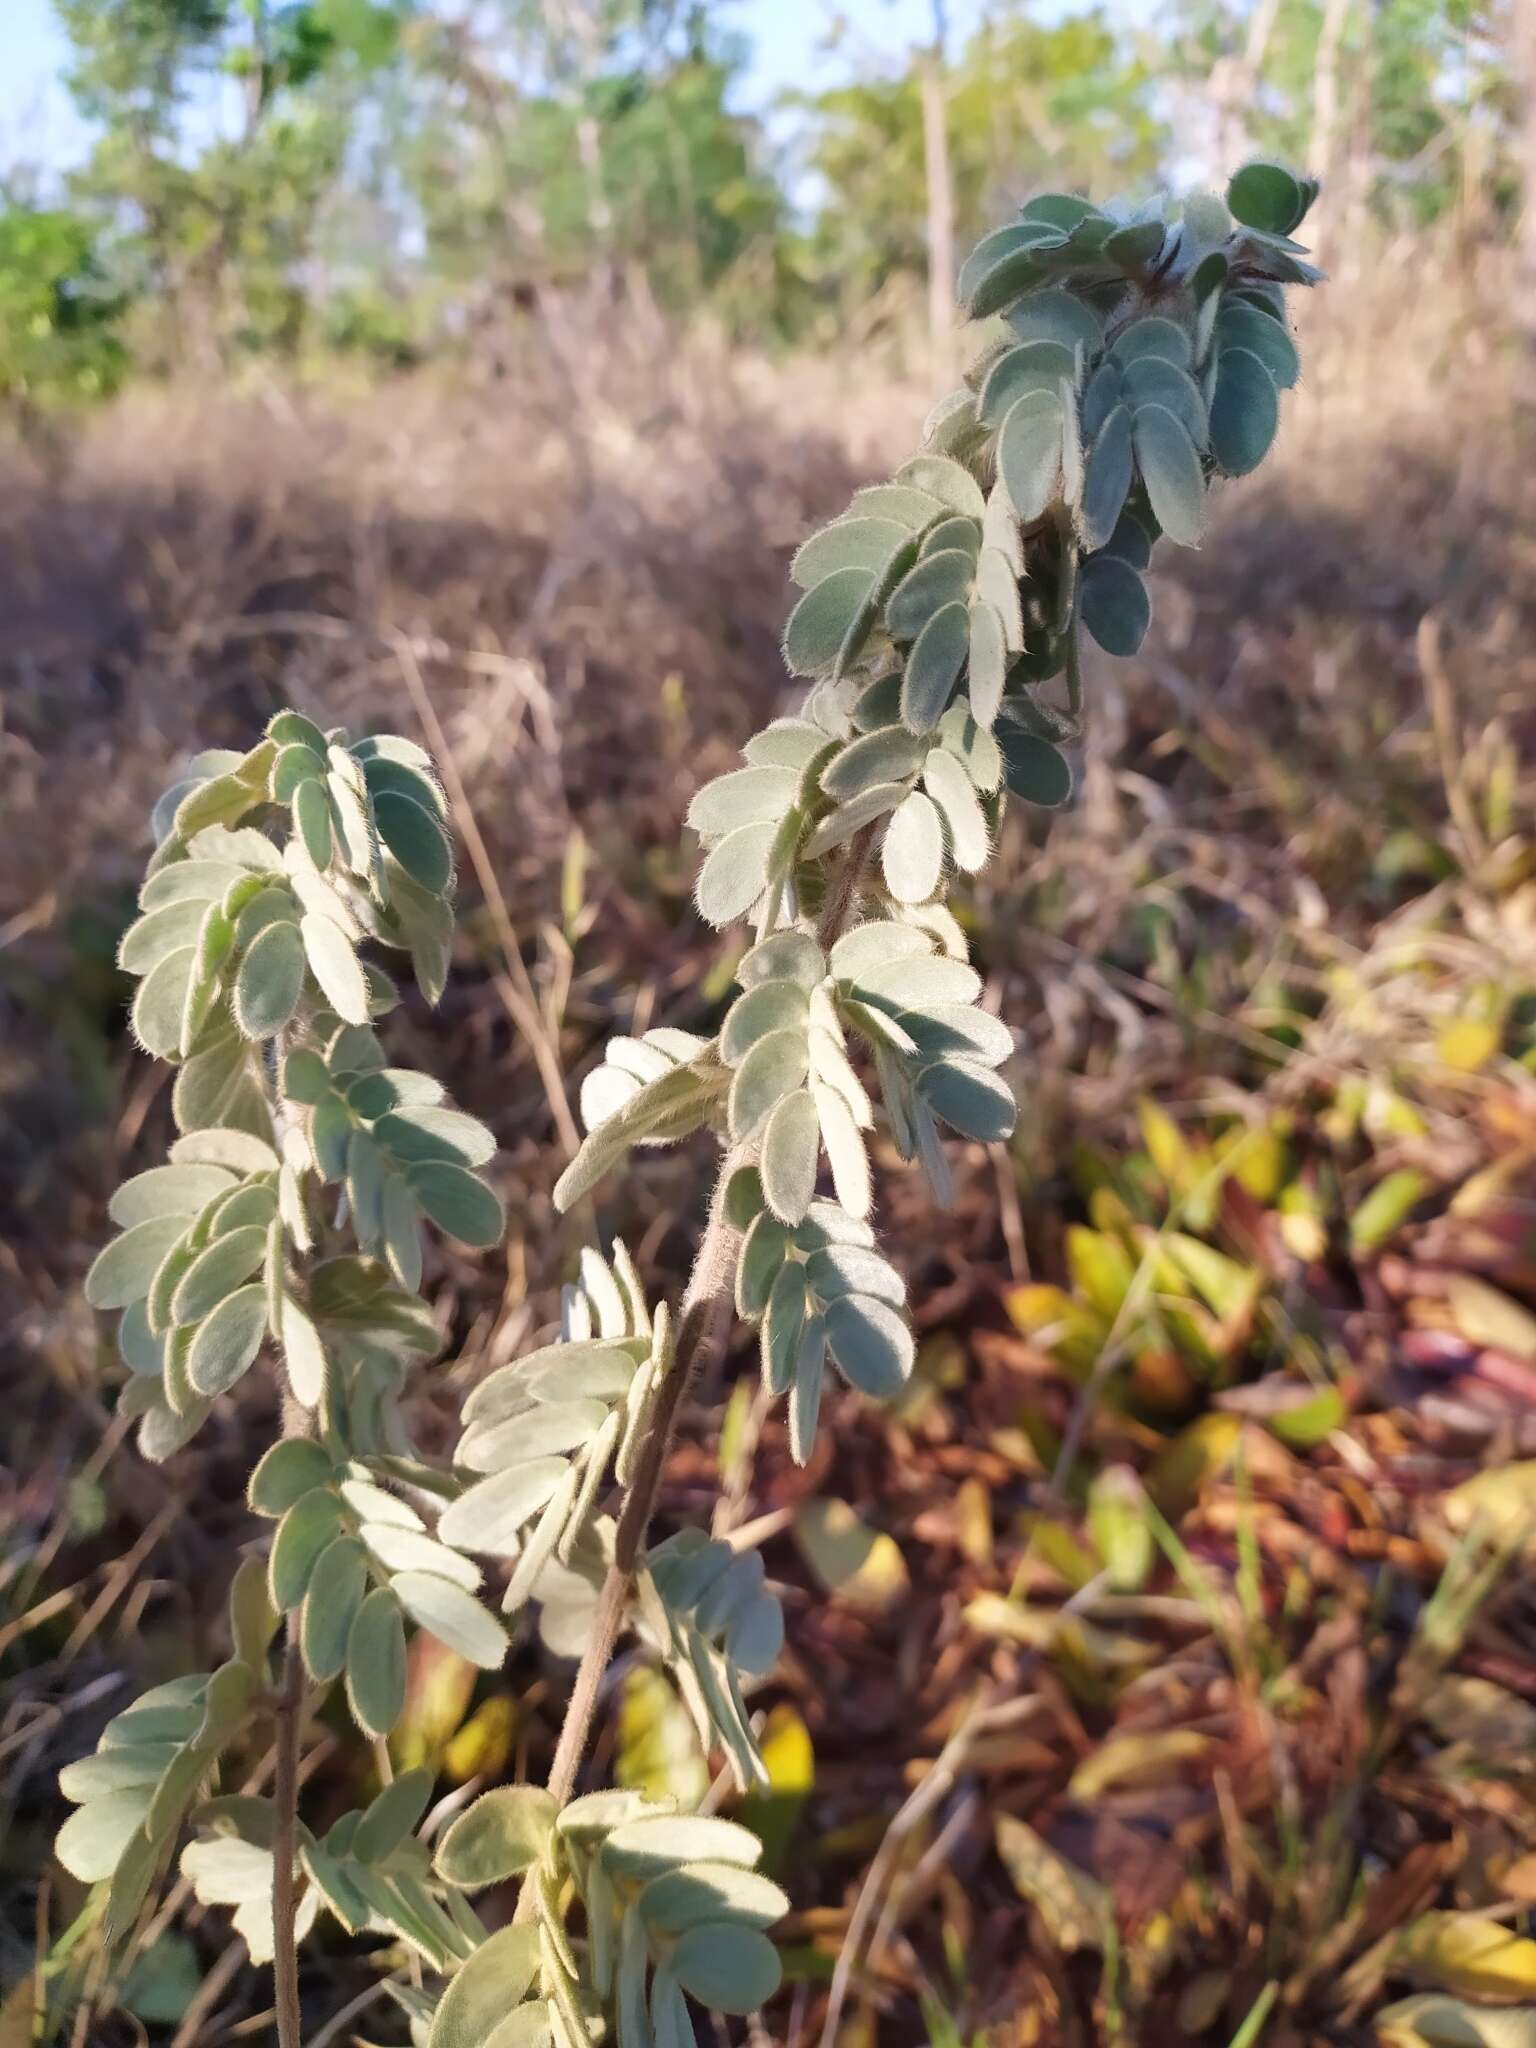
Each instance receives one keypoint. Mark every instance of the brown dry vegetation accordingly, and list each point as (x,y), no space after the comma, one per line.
(1252,1771)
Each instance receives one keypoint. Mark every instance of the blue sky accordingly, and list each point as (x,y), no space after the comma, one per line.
(38,124)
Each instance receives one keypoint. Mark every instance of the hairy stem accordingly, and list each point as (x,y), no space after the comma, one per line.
(285,1806)
(703,1329)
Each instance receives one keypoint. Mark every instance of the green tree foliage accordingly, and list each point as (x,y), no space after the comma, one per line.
(541,159)
(1026,103)
(1425,107)
(59,317)
(390,176)
(216,237)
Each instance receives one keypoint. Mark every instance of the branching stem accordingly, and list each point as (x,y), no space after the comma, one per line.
(703,1330)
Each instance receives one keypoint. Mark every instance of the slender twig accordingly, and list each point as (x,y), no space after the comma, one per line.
(516,987)
(1440,691)
(703,1328)
(218,1980)
(337,2025)
(936,1784)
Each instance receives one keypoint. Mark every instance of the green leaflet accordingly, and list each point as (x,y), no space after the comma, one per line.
(306,1529)
(458,1202)
(486,1989)
(1137,248)
(141,1349)
(376,1669)
(1245,411)
(988,658)
(1114,603)
(890,755)
(933,666)
(970,1099)
(1150,380)
(825,618)
(1106,477)
(736,873)
(1266,196)
(776,1064)
(454,1616)
(331,1603)
(391,1815)
(787,955)
(965,826)
(225,1346)
(1243,326)
(951,483)
(160,1005)
(1105,390)
(335,966)
(1033,366)
(849,543)
(973,747)
(217,1271)
(960,532)
(206,880)
(936,580)
(912,852)
(727,1967)
(770,1006)
(841,824)
(998,586)
(1152,335)
(914,509)
(414,836)
(791,1147)
(292,728)
(747,796)
(285,1473)
(763,1251)
(870,1344)
(314,818)
(641,1849)
(1131,541)
(1035,770)
(270,980)
(781,1326)
(1029,453)
(1170,469)
(491,1515)
(1059,316)
(294,764)
(698,1892)
(420,1132)
(994,248)
(158,933)
(95,1838)
(1014,272)
(844,1144)
(498,1836)
(122,1272)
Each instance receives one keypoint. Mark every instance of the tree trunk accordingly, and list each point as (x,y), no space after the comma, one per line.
(1323,151)
(1232,83)
(1522,63)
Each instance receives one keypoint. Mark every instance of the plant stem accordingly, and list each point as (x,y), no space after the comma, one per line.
(285,1805)
(705,1324)
(703,1329)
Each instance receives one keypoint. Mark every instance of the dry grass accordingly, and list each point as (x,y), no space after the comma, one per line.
(589,571)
